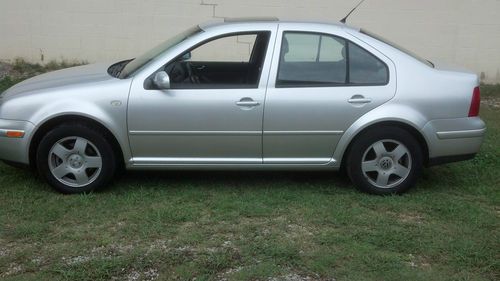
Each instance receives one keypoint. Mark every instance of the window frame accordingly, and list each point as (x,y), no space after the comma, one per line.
(347,83)
(267,33)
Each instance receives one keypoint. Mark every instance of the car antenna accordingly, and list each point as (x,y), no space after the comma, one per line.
(345,18)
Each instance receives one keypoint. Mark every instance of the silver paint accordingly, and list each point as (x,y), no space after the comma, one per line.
(262,128)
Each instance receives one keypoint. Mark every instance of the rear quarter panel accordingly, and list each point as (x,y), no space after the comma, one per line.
(423,94)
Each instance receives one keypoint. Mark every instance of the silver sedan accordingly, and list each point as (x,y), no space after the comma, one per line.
(247,94)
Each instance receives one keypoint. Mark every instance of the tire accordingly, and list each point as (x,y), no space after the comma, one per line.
(75,158)
(385,160)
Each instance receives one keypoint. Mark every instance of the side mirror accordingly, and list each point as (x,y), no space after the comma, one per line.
(161,80)
(186,56)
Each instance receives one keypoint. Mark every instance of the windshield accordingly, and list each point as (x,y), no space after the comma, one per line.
(394,45)
(135,64)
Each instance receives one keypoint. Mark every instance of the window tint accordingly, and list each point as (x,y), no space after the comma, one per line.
(332,49)
(313,59)
(301,47)
(232,61)
(309,59)
(365,68)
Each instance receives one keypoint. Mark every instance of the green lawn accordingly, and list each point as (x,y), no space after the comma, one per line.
(257,225)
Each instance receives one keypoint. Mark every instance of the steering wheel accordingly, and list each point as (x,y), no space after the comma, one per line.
(182,72)
(176,72)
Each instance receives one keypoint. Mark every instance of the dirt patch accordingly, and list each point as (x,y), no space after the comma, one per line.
(411,218)
(491,102)
(417,261)
(76,260)
(148,275)
(297,277)
(14,268)
(3,252)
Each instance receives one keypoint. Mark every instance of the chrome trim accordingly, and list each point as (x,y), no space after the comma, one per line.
(303,133)
(274,133)
(461,134)
(330,165)
(191,160)
(232,133)
(297,160)
(140,161)
(3,133)
(201,133)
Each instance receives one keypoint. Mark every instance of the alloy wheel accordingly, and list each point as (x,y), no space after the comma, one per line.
(75,161)
(386,163)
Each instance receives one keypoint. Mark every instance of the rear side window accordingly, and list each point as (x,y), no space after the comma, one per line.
(315,60)
(365,68)
(312,59)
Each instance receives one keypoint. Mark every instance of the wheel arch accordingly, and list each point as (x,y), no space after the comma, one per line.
(389,123)
(51,123)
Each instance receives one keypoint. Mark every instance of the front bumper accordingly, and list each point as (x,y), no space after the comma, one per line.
(454,139)
(15,148)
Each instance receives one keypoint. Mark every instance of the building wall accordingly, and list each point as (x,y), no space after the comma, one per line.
(462,32)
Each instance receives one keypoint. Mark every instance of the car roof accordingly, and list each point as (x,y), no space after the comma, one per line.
(250,20)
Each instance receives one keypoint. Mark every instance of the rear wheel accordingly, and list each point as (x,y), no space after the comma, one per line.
(75,158)
(385,160)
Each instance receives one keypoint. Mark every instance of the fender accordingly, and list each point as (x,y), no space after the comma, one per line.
(113,120)
(389,112)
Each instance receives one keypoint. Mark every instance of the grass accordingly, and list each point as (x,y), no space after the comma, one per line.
(490,90)
(257,225)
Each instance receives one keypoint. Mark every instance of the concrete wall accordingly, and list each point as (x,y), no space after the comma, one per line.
(463,32)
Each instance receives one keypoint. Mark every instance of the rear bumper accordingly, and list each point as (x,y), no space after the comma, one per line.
(15,149)
(451,140)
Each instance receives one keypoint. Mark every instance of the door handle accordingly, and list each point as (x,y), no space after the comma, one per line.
(248,102)
(358,99)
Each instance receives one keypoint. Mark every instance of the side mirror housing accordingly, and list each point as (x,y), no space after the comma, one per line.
(161,80)
(186,56)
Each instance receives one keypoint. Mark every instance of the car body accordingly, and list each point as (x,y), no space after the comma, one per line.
(280,105)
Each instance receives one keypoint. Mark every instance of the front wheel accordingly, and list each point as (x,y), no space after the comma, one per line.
(385,160)
(75,158)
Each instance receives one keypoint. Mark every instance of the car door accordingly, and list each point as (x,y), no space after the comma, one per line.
(212,114)
(321,82)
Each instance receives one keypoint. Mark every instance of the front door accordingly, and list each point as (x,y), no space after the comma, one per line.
(320,85)
(213,112)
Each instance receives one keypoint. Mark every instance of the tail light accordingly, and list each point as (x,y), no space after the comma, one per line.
(475,103)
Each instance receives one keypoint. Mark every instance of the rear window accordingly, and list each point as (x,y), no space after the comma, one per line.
(394,45)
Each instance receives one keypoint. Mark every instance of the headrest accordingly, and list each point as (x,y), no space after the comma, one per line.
(284,46)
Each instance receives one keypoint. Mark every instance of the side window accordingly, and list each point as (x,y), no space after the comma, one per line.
(309,59)
(365,68)
(236,48)
(232,61)
(315,60)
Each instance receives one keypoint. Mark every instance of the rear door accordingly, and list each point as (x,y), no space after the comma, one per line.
(320,83)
